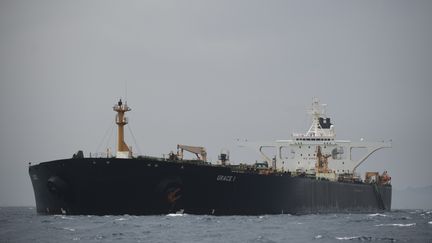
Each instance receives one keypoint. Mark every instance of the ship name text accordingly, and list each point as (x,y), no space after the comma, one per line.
(226,178)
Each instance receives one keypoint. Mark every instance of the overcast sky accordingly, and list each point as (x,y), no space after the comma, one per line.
(208,72)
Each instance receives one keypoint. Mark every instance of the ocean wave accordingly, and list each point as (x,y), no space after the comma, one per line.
(365,238)
(261,238)
(121,219)
(398,225)
(417,211)
(350,238)
(377,214)
(62,216)
(178,227)
(69,229)
(176,214)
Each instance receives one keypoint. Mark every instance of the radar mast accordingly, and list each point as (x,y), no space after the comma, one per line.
(321,125)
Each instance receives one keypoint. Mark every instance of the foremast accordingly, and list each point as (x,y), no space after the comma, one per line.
(123,151)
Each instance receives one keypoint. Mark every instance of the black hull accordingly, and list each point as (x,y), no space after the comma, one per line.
(100,186)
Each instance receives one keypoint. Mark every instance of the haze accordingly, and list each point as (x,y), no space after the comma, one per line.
(209,72)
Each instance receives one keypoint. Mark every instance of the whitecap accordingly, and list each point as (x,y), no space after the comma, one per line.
(398,225)
(62,216)
(70,229)
(99,237)
(377,214)
(348,238)
(360,238)
(430,222)
(175,214)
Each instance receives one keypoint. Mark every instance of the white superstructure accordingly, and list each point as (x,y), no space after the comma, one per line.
(306,153)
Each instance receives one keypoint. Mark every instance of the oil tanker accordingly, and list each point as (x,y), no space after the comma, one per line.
(309,173)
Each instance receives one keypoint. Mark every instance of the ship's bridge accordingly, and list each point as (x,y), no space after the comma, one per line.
(305,152)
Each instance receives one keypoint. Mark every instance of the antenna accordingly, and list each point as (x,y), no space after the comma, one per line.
(125,90)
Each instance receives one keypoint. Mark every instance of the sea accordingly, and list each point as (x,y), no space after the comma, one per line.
(23,224)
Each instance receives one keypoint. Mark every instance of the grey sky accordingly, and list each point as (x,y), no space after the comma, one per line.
(207,72)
